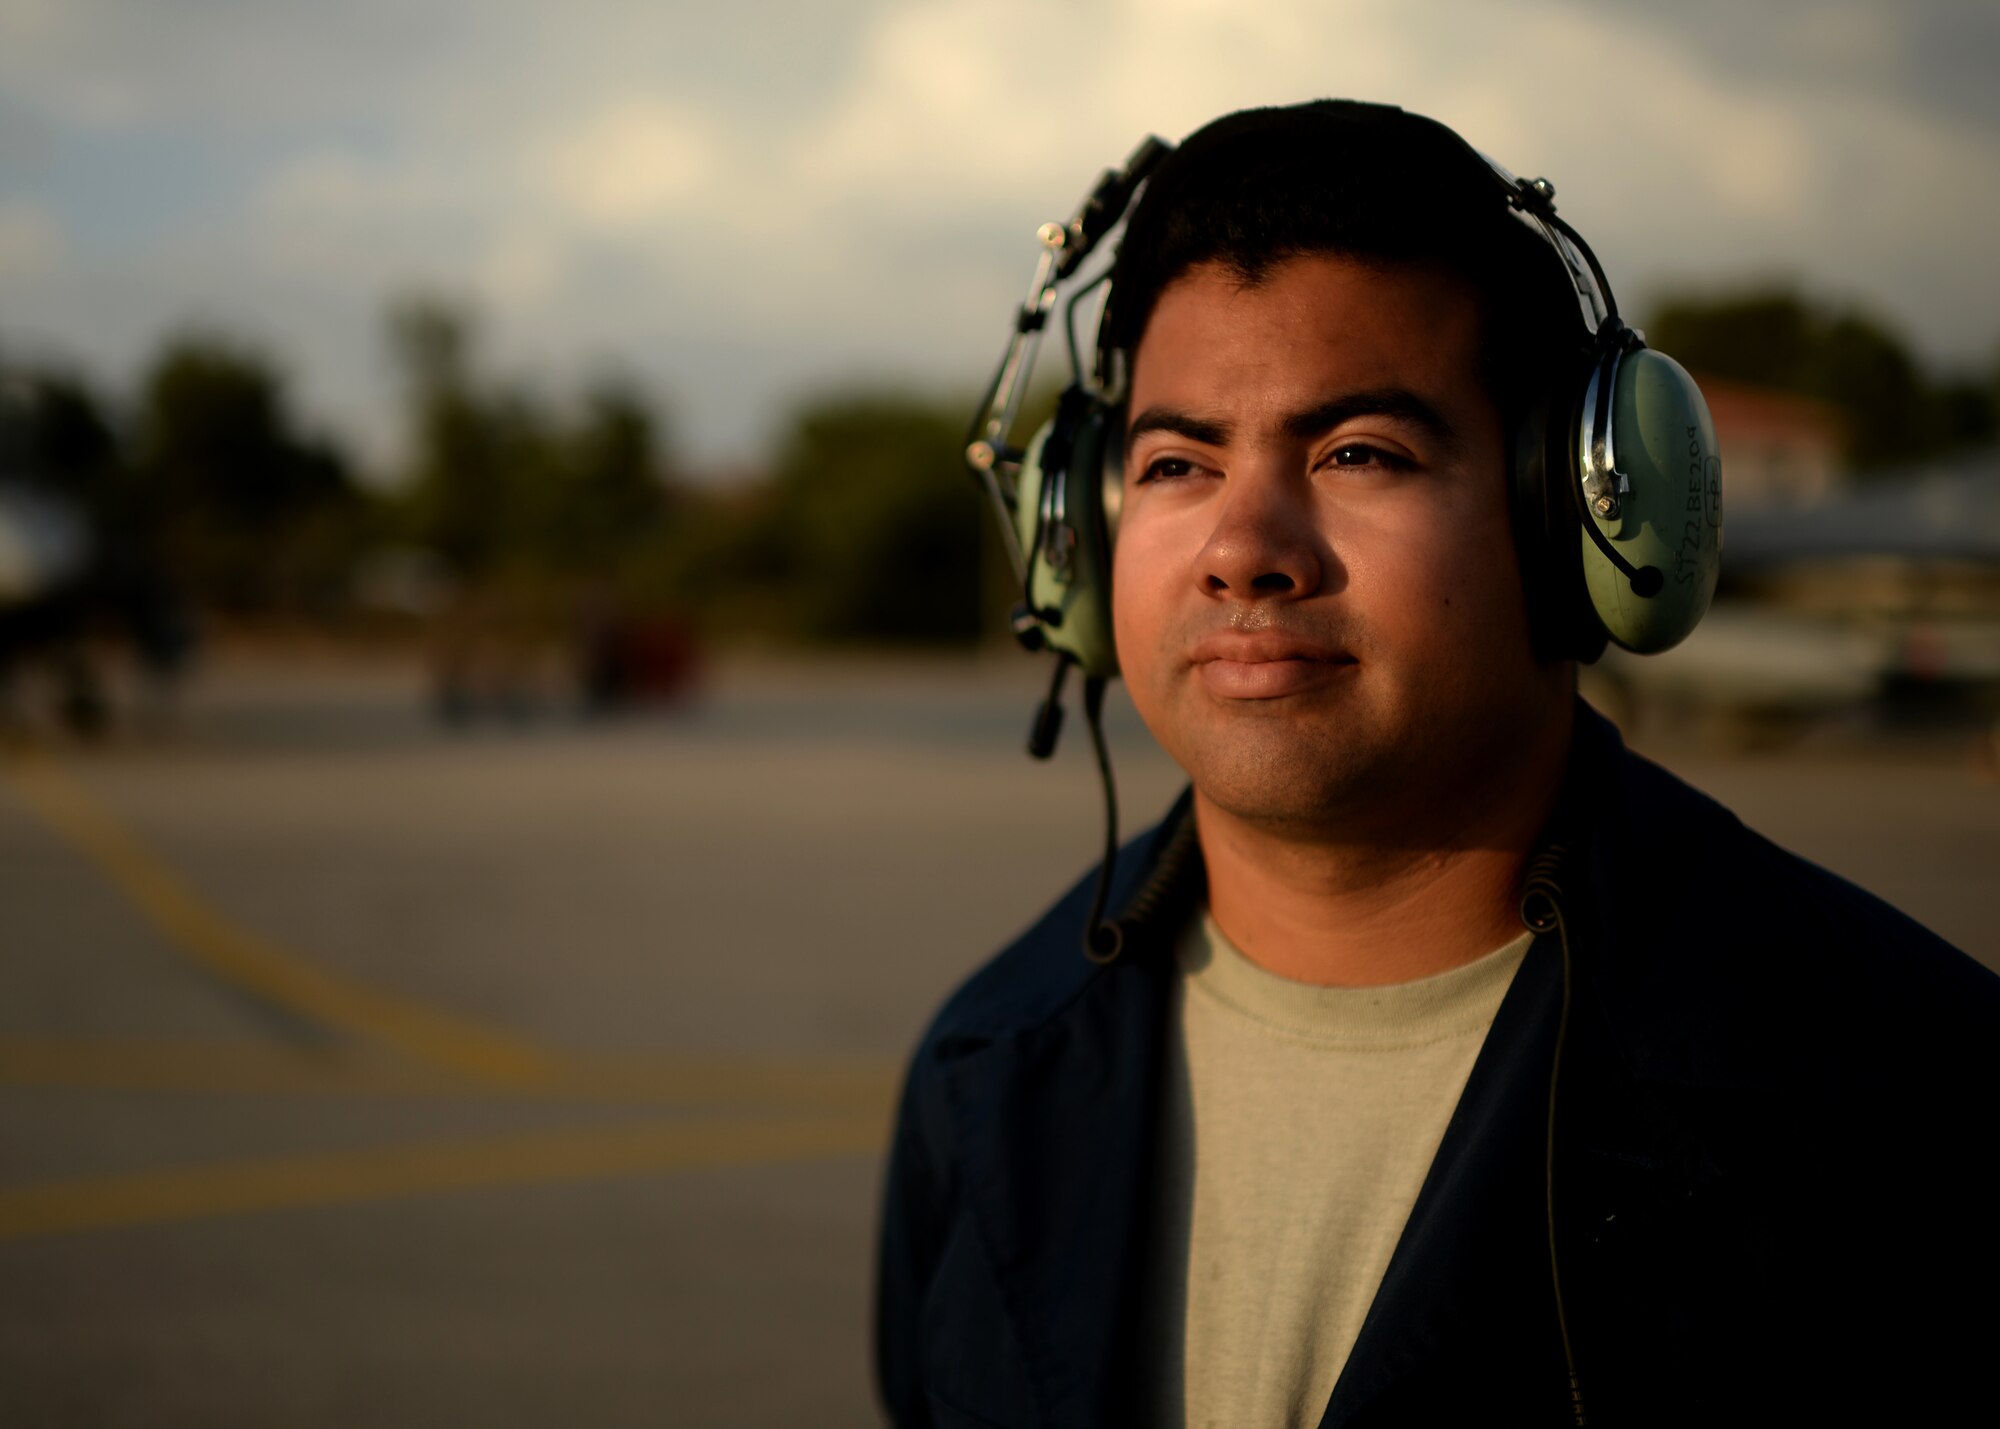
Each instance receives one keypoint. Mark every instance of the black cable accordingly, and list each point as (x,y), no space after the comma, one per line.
(1069,323)
(1043,733)
(1170,889)
(1103,939)
(1541,912)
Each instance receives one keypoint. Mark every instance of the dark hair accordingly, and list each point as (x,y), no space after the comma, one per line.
(1258,187)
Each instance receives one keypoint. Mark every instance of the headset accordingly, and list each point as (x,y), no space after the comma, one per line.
(1616,477)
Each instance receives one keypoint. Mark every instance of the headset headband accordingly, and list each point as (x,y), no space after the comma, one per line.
(990,450)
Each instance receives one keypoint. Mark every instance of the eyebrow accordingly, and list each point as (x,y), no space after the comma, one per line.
(1399,404)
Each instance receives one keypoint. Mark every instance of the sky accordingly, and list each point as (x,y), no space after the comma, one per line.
(739,206)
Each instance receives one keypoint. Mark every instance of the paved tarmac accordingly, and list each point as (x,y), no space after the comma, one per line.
(354,1071)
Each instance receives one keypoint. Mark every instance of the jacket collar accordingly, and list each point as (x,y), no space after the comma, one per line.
(1053,1109)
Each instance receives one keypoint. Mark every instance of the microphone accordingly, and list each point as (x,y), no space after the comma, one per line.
(1047,728)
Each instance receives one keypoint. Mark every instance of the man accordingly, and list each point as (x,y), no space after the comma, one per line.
(1325,1135)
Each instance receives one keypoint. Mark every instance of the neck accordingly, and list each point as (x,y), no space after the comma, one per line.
(1418,891)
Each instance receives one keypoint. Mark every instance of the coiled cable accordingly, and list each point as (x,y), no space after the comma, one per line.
(1103,938)
(1542,913)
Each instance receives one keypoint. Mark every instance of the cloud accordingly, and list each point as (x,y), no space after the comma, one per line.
(343,188)
(973,114)
(799,193)
(627,166)
(30,241)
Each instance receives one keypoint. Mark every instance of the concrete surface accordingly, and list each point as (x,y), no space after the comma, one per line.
(353,1071)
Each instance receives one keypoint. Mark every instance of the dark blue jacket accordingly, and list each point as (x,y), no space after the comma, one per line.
(1772,1186)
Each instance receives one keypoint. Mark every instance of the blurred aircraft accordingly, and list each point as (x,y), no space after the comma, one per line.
(64,582)
(1887,594)
(46,550)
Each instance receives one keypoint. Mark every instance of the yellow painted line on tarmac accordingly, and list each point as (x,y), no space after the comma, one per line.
(211,940)
(248,1067)
(389,1173)
(798,1084)
(834,1083)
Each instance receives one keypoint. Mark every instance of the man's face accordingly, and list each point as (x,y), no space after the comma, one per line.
(1315,592)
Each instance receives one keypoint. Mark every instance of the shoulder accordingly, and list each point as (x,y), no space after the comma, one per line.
(1718,926)
(1024,1104)
(1028,981)
(1043,971)
(1811,1068)
(1040,1013)
(1021,1020)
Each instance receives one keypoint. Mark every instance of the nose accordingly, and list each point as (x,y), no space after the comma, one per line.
(1265,544)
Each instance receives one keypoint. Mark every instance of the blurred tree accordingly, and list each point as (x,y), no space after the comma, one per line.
(614,495)
(248,512)
(1971,411)
(66,440)
(1773,336)
(506,489)
(872,526)
(460,489)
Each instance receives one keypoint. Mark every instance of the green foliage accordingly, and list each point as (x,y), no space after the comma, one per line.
(65,440)
(866,528)
(506,490)
(611,498)
(1970,412)
(465,449)
(1776,337)
(873,530)
(244,511)
(204,489)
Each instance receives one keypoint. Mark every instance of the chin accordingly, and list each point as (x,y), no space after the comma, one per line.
(1273,776)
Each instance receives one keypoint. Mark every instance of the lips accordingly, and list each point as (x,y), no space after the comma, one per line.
(1266,665)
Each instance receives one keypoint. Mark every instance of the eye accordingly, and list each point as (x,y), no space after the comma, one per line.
(1169,468)
(1361,454)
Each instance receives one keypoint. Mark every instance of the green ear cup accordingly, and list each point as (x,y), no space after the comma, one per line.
(1068,480)
(1664,515)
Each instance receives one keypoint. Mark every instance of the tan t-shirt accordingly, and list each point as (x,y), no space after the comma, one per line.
(1300,1122)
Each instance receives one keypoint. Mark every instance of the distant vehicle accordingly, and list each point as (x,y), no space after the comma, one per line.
(628,661)
(513,655)
(1886,596)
